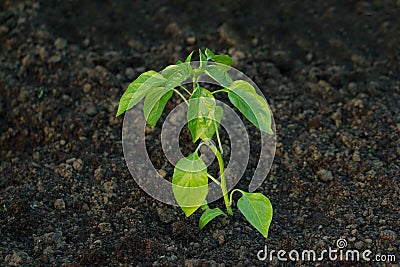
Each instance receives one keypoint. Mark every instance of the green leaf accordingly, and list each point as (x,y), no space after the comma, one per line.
(190,183)
(170,70)
(178,62)
(208,215)
(257,209)
(189,58)
(253,106)
(200,113)
(175,75)
(138,89)
(219,74)
(154,104)
(223,59)
(209,54)
(203,59)
(202,56)
(219,111)
(173,70)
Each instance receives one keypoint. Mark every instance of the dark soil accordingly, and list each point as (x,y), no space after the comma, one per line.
(330,70)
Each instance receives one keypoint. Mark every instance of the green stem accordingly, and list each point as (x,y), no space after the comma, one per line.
(214,179)
(195,83)
(184,99)
(199,146)
(204,206)
(230,198)
(219,91)
(219,140)
(185,89)
(209,175)
(222,175)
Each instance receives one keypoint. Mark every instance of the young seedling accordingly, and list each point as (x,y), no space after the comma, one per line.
(190,178)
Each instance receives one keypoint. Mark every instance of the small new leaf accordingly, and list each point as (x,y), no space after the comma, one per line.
(219,74)
(190,183)
(200,113)
(209,54)
(203,60)
(253,106)
(223,59)
(209,215)
(257,209)
(189,58)
(138,89)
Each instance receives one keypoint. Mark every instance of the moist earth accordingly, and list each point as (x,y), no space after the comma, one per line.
(329,69)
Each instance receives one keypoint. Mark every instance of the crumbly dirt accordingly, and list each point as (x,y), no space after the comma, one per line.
(330,70)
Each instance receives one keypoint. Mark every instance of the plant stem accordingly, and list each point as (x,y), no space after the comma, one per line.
(219,140)
(219,91)
(233,191)
(184,99)
(199,146)
(214,179)
(204,206)
(222,175)
(185,89)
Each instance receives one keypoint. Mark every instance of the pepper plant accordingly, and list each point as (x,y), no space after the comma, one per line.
(190,178)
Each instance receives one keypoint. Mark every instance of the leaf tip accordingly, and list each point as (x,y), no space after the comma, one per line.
(119,112)
(189,210)
(269,131)
(189,58)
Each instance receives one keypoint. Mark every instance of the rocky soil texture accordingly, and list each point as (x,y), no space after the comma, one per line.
(330,70)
